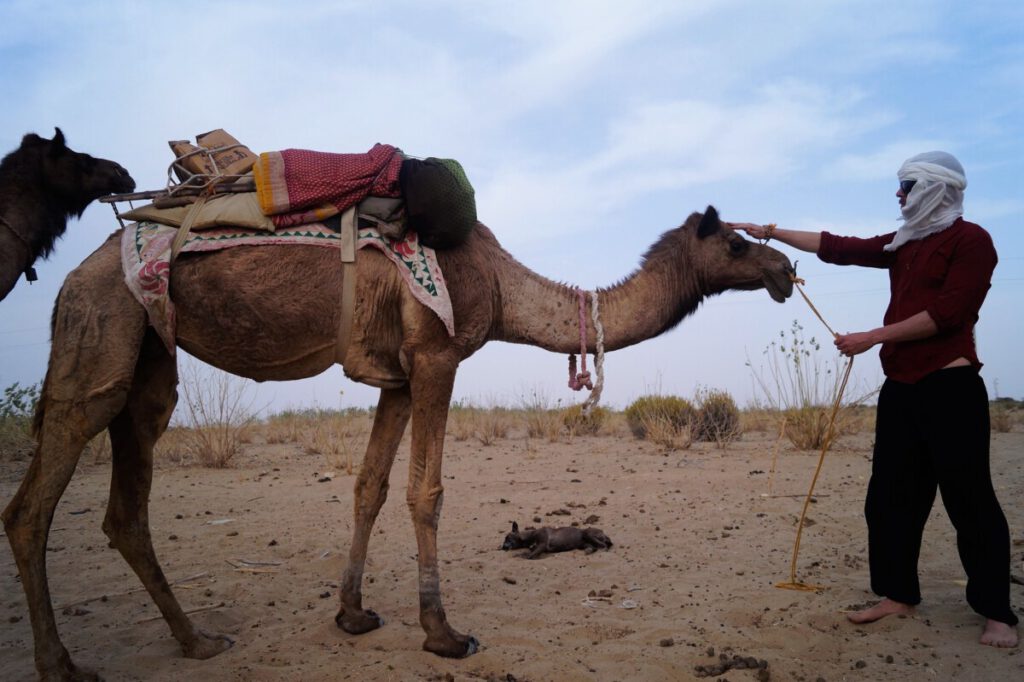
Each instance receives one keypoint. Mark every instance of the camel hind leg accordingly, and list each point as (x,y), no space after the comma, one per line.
(97,331)
(133,433)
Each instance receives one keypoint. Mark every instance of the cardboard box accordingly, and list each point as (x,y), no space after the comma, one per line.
(191,162)
(237,160)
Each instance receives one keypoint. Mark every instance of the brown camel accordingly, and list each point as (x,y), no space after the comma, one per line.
(42,184)
(271,320)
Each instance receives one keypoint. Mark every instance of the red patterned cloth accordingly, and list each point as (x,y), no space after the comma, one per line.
(299,186)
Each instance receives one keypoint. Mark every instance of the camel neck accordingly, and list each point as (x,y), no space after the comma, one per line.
(540,312)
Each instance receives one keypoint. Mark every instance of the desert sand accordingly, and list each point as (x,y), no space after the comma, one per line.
(258,549)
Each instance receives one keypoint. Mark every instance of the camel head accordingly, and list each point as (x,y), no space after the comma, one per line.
(71,178)
(728,261)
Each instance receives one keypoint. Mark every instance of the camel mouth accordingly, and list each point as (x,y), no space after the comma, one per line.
(778,284)
(124,184)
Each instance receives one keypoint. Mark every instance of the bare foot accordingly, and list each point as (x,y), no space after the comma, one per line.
(886,607)
(999,635)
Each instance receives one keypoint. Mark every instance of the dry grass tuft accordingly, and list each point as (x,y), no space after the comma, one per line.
(338,436)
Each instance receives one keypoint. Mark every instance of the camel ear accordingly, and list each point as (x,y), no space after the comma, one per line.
(58,137)
(515,527)
(709,224)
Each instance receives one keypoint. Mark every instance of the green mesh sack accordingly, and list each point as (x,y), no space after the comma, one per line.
(439,201)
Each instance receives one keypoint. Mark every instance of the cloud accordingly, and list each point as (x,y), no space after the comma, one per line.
(879,163)
(671,145)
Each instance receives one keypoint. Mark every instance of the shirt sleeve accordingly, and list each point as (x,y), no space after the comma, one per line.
(967,283)
(855,250)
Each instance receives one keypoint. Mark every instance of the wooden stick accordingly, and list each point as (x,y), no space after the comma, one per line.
(187,613)
(235,188)
(131,591)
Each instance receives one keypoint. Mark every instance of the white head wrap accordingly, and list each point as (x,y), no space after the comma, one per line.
(936,200)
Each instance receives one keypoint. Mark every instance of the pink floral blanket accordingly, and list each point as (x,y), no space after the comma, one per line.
(146,250)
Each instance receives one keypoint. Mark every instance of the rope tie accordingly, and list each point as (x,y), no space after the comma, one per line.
(793,583)
(582,379)
(595,393)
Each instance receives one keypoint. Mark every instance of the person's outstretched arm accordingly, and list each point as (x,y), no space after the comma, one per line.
(798,239)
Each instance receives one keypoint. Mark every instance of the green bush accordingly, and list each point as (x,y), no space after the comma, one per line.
(17,406)
(580,424)
(718,418)
(676,412)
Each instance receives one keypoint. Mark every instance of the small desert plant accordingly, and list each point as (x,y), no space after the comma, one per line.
(338,436)
(217,410)
(802,388)
(1002,418)
(666,420)
(542,420)
(460,421)
(718,418)
(17,405)
(580,424)
(491,424)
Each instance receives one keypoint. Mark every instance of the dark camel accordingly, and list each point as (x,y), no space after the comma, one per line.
(273,319)
(42,184)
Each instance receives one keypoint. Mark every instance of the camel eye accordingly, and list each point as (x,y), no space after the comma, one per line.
(738,246)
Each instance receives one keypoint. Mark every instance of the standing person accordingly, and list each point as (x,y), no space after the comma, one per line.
(932,428)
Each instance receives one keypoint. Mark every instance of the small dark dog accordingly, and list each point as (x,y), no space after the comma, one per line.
(545,540)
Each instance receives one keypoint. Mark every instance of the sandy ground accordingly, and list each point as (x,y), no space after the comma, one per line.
(698,549)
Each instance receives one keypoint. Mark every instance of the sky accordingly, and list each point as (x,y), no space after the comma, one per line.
(588,128)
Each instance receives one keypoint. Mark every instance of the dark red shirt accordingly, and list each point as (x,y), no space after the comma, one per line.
(947,274)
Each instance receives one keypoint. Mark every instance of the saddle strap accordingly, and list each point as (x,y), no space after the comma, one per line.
(186,226)
(348,282)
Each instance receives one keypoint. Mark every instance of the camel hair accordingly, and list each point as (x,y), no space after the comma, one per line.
(261,312)
(42,184)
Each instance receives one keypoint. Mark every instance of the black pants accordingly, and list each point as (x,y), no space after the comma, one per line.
(935,433)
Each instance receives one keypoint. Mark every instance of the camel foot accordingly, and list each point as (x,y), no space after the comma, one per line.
(205,645)
(886,607)
(69,672)
(453,645)
(999,635)
(358,622)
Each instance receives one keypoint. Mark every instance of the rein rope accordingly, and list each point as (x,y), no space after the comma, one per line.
(793,583)
(582,379)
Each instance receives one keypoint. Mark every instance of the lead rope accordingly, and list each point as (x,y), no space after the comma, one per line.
(793,583)
(595,393)
(582,379)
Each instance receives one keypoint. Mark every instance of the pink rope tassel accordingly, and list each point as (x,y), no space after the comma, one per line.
(581,380)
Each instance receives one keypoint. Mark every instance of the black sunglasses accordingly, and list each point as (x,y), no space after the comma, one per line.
(907,185)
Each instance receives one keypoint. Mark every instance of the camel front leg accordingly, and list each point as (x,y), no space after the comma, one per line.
(133,433)
(371,491)
(432,382)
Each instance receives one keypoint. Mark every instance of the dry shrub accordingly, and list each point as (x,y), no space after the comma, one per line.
(1002,419)
(460,424)
(17,404)
(579,424)
(665,411)
(542,420)
(803,388)
(217,411)
(759,419)
(338,436)
(287,427)
(491,425)
(666,432)
(174,446)
(718,418)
